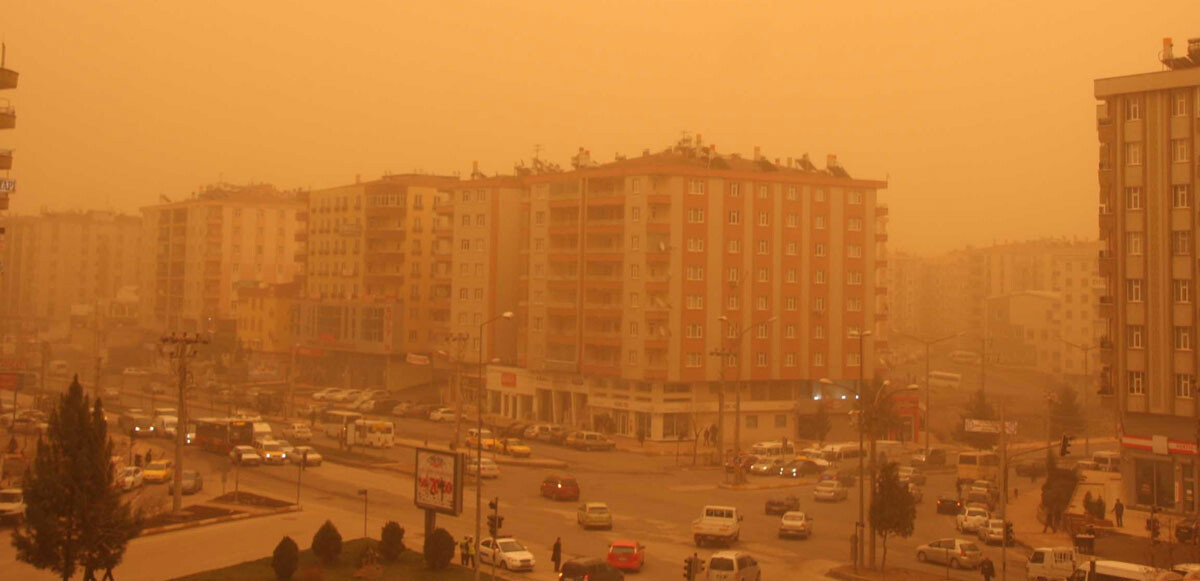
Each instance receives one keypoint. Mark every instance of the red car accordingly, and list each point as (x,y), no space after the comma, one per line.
(560,488)
(627,555)
(744,460)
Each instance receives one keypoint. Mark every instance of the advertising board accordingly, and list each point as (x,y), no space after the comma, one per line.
(437,484)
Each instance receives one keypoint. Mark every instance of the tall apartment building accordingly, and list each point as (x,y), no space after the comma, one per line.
(1147,126)
(58,260)
(201,249)
(8,120)
(635,272)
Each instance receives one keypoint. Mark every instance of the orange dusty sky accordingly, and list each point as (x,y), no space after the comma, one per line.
(979,113)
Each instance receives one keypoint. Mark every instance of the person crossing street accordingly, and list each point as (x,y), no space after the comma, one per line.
(987,569)
(556,554)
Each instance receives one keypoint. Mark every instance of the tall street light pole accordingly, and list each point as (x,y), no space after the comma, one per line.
(180,347)
(725,354)
(460,341)
(858,526)
(928,402)
(1087,440)
(480,397)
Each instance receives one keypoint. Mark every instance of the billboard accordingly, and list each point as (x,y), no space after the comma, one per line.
(437,482)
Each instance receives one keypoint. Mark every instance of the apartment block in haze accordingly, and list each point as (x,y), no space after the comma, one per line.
(1147,126)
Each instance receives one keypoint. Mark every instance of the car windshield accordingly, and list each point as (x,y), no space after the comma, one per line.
(569,482)
(827,484)
(511,546)
(597,509)
(271,447)
(720,564)
(622,550)
(10,497)
(157,466)
(284,444)
(794,516)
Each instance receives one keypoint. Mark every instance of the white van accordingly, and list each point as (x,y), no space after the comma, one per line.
(773,449)
(164,425)
(834,453)
(889,450)
(1121,571)
(1050,564)
(1107,461)
(262,431)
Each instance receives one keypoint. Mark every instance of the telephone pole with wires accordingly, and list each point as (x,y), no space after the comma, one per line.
(180,349)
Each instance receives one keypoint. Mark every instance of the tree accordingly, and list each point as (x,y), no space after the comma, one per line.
(814,426)
(74,517)
(439,549)
(893,511)
(327,543)
(1066,415)
(1056,492)
(286,559)
(391,540)
(978,408)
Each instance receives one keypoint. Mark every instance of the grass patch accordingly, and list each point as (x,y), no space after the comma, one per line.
(250,499)
(410,566)
(187,514)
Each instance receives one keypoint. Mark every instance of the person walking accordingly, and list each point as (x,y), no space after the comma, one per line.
(556,554)
(469,560)
(462,552)
(706,440)
(987,569)
(1119,512)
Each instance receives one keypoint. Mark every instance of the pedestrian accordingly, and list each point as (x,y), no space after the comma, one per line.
(556,554)
(1014,493)
(147,456)
(470,559)
(987,569)
(463,550)
(706,440)
(1119,512)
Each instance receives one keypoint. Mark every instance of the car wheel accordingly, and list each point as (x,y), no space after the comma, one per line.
(921,556)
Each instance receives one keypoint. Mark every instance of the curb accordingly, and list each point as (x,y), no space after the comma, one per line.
(216,520)
(836,573)
(789,484)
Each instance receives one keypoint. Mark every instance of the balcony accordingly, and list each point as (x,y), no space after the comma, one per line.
(881,236)
(613,199)
(8,117)
(6,158)
(386,211)
(387,233)
(1107,307)
(563,203)
(1108,264)
(658,226)
(8,78)
(349,229)
(384,277)
(1108,220)
(881,210)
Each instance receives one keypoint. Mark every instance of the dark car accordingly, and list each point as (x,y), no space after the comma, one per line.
(420,410)
(948,504)
(384,406)
(560,488)
(935,458)
(1185,531)
(798,468)
(782,505)
(589,569)
(193,482)
(743,460)
(558,435)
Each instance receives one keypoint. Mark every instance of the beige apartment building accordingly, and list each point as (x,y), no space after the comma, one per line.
(55,261)
(1147,126)
(199,250)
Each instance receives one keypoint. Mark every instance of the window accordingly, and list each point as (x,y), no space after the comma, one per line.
(820,249)
(1181,242)
(1105,156)
(1137,382)
(1133,109)
(760,359)
(764,219)
(733,274)
(466,220)
(1183,338)
(539,217)
(819,222)
(1135,333)
(633,329)
(635,242)
(762,192)
(855,225)
(694,331)
(735,190)
(732,303)
(819,195)
(790,249)
(734,246)
(695,302)
(760,303)
(1179,150)
(1180,108)
(764,275)
(818,360)
(1181,196)
(632,357)
(636,185)
(735,217)
(789,359)
(480,220)
(751,421)
(635,271)
(853,360)
(634,300)
(695,245)
(1133,154)
(819,304)
(1133,199)
(818,331)
(791,220)
(854,305)
(856,197)
(1133,242)
(692,360)
(789,331)
(819,276)
(696,187)
(1133,290)
(854,251)
(764,247)
(854,278)
(1184,384)
(695,215)
(791,275)
(1182,291)
(695,273)
(791,193)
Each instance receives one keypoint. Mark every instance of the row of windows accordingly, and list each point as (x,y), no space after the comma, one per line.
(1181,243)
(1185,384)
(1181,197)
(1180,152)
(700,187)
(1179,106)
(696,359)
(1136,337)
(1181,290)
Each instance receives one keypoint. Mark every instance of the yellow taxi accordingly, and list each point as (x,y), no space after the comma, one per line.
(159,471)
(473,437)
(515,447)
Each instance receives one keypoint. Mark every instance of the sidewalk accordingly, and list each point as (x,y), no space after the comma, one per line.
(1027,528)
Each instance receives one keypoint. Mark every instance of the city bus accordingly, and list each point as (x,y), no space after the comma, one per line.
(333,422)
(220,435)
(373,433)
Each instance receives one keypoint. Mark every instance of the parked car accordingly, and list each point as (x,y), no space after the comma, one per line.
(911,474)
(286,446)
(992,531)
(537,432)
(590,441)
(474,435)
(382,406)
(130,478)
(193,482)
(733,566)
(948,504)
(594,514)
(957,553)
(401,408)
(627,555)
(589,569)
(767,466)
(780,505)
(560,488)
(441,415)
(298,432)
(12,506)
(135,371)
(970,518)
(485,467)
(514,447)
(245,456)
(506,553)
(979,498)
(829,491)
(325,394)
(795,524)
(159,471)
(420,410)
(305,454)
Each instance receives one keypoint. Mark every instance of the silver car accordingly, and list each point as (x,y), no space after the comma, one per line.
(957,553)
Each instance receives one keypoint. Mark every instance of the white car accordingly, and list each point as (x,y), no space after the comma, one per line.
(733,566)
(12,505)
(136,371)
(286,446)
(970,518)
(795,523)
(245,455)
(325,394)
(130,478)
(442,415)
(486,466)
(298,432)
(829,491)
(506,553)
(305,454)
(992,531)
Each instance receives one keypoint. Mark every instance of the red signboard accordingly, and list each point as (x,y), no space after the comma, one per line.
(508,378)
(415,359)
(15,364)
(10,381)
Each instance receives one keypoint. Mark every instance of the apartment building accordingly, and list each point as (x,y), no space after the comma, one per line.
(199,250)
(8,120)
(633,273)
(54,261)
(1147,127)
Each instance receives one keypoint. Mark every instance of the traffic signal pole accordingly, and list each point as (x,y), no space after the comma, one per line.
(1003,493)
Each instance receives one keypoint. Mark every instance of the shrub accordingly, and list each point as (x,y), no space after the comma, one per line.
(439,549)
(391,540)
(286,559)
(327,543)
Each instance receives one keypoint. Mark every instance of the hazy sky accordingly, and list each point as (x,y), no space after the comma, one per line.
(980,114)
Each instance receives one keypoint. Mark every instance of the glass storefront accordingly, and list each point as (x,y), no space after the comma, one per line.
(1154,483)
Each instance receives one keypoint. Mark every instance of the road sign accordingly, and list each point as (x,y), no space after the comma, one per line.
(990,427)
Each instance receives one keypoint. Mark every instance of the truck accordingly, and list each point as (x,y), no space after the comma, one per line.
(721,524)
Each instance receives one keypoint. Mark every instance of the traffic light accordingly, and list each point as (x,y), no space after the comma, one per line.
(494,504)
(688,573)
(699,566)
(1008,532)
(493,526)
(1064,449)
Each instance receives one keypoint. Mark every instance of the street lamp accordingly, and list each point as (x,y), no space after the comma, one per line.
(1087,441)
(459,340)
(725,354)
(928,404)
(480,396)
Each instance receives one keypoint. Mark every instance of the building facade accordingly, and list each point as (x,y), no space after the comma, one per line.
(1147,126)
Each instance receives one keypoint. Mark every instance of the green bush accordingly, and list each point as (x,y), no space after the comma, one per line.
(439,549)
(391,540)
(285,559)
(327,543)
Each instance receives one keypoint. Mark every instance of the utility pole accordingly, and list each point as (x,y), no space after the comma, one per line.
(1087,440)
(181,348)
(455,355)
(1003,492)
(481,399)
